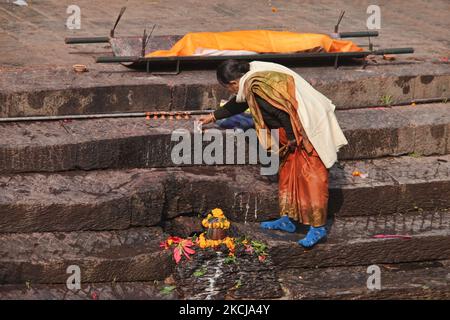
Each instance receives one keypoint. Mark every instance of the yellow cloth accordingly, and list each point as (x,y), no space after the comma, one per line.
(262,41)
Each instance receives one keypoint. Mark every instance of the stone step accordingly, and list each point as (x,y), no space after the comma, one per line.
(416,280)
(59,91)
(134,254)
(91,291)
(251,279)
(129,255)
(137,142)
(351,241)
(119,199)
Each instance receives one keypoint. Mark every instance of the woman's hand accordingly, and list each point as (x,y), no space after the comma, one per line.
(207,119)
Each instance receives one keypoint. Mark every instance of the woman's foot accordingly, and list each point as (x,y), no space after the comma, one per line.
(315,234)
(283,224)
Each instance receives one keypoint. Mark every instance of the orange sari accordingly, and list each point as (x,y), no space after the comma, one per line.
(303,186)
(303,178)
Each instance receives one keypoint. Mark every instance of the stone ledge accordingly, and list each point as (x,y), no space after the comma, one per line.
(130,255)
(416,280)
(134,254)
(97,291)
(136,142)
(59,91)
(119,199)
(350,241)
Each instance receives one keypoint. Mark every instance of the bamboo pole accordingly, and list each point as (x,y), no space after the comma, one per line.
(171,114)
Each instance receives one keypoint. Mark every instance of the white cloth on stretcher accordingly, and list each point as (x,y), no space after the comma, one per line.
(216,52)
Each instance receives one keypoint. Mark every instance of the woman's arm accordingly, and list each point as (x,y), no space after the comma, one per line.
(230,108)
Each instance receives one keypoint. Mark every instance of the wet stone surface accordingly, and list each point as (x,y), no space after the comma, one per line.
(351,241)
(93,291)
(416,280)
(126,255)
(183,226)
(247,278)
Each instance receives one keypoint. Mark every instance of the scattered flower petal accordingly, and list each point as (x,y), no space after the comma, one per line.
(356,173)
(391,236)
(177,255)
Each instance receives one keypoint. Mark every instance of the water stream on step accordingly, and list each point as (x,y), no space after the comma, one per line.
(256,207)
(211,290)
(247,207)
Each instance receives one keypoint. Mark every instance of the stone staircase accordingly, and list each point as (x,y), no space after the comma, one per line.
(102,193)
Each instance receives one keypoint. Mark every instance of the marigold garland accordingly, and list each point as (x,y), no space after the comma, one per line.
(205,243)
(216,219)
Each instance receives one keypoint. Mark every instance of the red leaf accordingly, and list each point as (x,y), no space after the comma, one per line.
(187,255)
(175,239)
(177,254)
(189,250)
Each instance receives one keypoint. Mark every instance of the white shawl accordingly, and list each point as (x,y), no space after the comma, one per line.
(315,111)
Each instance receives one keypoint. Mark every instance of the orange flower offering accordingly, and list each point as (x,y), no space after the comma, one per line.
(216,238)
(217,223)
(356,173)
(203,242)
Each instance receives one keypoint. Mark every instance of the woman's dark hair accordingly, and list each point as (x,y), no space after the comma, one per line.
(230,70)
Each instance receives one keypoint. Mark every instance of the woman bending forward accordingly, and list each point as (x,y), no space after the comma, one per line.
(309,137)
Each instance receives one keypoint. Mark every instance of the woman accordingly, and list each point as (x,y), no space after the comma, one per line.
(309,137)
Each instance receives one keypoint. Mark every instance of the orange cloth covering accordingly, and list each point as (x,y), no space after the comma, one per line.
(262,41)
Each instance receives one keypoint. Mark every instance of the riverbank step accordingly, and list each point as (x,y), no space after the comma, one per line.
(120,199)
(415,280)
(91,291)
(134,254)
(139,143)
(353,241)
(107,256)
(60,91)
